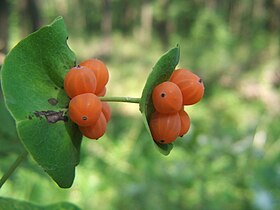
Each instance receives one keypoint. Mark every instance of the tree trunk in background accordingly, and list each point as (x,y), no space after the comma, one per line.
(34,14)
(273,25)
(29,16)
(146,22)
(4,13)
(163,24)
(106,28)
(275,21)
(236,11)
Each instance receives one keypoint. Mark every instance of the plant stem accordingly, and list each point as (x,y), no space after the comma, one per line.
(121,99)
(13,167)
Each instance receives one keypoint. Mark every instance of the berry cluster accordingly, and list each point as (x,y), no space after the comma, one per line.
(169,120)
(83,84)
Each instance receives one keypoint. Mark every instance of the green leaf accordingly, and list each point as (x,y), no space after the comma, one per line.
(7,123)
(32,84)
(8,134)
(161,72)
(12,204)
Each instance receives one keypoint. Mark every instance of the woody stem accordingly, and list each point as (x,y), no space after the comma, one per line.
(13,167)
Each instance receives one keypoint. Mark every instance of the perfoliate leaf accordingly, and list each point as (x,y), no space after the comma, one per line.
(32,84)
(161,72)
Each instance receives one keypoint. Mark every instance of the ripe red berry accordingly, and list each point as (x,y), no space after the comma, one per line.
(102,92)
(96,130)
(167,98)
(185,122)
(79,80)
(165,128)
(85,109)
(185,73)
(100,70)
(106,110)
(190,84)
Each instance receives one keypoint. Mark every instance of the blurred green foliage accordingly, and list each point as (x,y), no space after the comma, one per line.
(231,157)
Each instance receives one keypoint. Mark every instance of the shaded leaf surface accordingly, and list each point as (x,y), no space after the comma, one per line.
(12,204)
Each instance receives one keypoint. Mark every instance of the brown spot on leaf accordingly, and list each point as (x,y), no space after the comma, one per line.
(52,116)
(52,101)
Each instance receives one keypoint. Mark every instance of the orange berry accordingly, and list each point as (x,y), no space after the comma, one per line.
(106,110)
(165,128)
(190,84)
(102,92)
(179,73)
(100,70)
(96,130)
(79,80)
(85,109)
(185,122)
(167,98)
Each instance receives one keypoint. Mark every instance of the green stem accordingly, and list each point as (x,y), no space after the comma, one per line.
(121,99)
(13,167)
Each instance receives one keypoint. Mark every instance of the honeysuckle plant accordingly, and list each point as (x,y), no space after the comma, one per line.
(32,83)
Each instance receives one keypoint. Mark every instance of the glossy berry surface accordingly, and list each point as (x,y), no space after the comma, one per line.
(182,73)
(165,128)
(190,84)
(96,130)
(79,80)
(100,70)
(106,110)
(85,109)
(185,122)
(167,98)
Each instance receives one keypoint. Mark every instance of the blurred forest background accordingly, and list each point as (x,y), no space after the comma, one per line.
(230,159)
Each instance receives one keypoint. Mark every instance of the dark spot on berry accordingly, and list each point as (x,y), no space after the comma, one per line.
(161,141)
(200,80)
(84,118)
(162,95)
(52,101)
